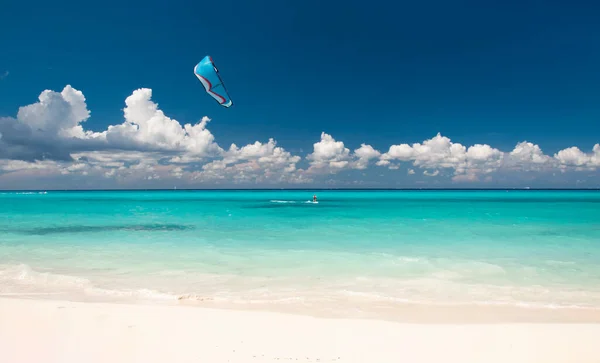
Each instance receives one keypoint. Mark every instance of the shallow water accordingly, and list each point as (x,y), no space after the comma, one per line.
(353,249)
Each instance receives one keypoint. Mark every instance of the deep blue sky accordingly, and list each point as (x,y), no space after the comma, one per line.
(494,72)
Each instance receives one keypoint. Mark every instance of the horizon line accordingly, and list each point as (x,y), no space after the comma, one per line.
(298,189)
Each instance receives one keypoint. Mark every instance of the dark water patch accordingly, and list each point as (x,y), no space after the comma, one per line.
(569,231)
(94,229)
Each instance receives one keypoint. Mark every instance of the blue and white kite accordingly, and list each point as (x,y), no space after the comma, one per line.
(208,74)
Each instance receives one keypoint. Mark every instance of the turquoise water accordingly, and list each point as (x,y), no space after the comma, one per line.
(352,250)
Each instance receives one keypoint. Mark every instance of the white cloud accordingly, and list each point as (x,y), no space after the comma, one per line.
(365,154)
(469,164)
(56,114)
(147,127)
(437,152)
(43,130)
(440,152)
(528,153)
(260,162)
(573,157)
(527,156)
(48,139)
(56,121)
(20,165)
(148,145)
(330,156)
(595,159)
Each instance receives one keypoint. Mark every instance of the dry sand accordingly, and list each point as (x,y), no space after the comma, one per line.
(71,332)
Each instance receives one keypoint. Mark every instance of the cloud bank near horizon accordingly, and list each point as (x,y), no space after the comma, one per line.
(47,145)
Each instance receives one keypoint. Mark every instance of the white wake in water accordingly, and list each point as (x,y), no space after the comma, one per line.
(293,202)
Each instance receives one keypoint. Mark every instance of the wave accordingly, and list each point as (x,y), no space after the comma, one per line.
(21,279)
(25,275)
(369,292)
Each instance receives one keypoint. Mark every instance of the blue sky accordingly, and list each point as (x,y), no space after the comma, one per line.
(377,73)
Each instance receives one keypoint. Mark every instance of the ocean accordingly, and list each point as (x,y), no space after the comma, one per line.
(356,252)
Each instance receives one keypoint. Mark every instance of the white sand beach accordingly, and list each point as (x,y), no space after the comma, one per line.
(68,332)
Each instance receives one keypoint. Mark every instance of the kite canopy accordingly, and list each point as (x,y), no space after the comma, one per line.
(208,74)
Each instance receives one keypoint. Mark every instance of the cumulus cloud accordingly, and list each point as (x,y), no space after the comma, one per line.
(43,130)
(473,162)
(147,145)
(261,162)
(331,156)
(146,127)
(440,152)
(528,156)
(574,157)
(49,139)
(52,128)
(365,154)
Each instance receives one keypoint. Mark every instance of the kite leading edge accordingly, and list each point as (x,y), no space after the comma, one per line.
(208,74)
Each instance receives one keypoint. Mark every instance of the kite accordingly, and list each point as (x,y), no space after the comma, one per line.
(208,74)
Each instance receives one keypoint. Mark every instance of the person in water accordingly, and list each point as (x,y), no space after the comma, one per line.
(314,198)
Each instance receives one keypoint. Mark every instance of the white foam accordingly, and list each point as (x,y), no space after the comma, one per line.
(435,287)
(144,294)
(22,279)
(24,275)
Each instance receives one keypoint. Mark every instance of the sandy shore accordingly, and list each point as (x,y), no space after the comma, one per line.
(57,331)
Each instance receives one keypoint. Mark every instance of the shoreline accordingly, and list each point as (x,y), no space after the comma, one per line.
(62,331)
(404,313)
